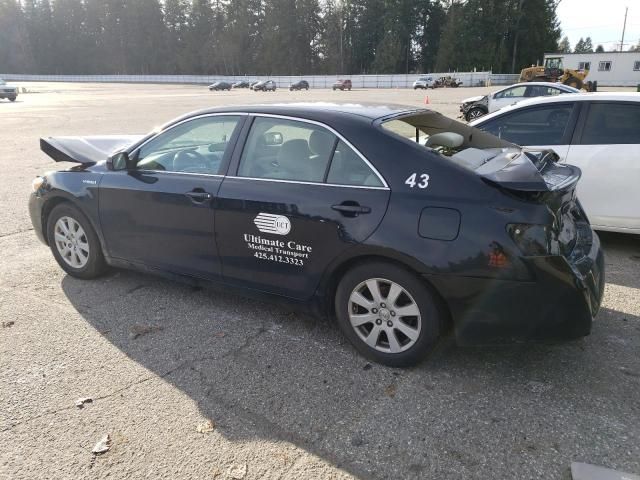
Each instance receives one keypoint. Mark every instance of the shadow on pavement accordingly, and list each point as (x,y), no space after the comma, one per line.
(261,371)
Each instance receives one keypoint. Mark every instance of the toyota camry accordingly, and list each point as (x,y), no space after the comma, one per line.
(402,224)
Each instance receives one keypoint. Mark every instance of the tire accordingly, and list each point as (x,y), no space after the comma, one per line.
(424,328)
(475,112)
(94,265)
(12,99)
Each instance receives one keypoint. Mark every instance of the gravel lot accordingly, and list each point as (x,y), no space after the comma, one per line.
(287,396)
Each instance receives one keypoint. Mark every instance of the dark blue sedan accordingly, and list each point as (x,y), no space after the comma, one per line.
(403,224)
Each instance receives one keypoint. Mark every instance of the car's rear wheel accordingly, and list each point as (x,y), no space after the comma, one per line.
(388,314)
(13,99)
(74,243)
(475,112)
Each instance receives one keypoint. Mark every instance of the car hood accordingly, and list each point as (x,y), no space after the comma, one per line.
(473,99)
(86,150)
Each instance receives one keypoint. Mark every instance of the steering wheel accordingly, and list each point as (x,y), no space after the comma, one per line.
(190,161)
(558,118)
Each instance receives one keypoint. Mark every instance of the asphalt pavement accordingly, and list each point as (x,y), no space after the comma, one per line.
(205,383)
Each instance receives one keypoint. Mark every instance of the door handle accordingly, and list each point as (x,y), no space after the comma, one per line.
(351,209)
(198,196)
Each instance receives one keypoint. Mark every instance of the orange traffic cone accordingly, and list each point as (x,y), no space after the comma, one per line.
(426,100)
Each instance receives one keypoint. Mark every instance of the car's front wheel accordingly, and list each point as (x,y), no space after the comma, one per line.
(74,243)
(12,99)
(388,314)
(474,113)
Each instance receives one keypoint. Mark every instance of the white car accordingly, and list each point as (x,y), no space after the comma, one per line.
(597,132)
(423,82)
(476,107)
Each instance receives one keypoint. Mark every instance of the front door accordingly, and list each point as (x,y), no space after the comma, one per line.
(506,97)
(160,213)
(301,197)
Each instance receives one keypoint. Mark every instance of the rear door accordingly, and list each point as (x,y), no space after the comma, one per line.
(606,147)
(298,197)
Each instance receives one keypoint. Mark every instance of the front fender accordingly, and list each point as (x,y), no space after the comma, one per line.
(79,188)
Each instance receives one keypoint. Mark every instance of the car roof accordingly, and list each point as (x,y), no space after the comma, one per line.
(313,110)
(561,86)
(568,97)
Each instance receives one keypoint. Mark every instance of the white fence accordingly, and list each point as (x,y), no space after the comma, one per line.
(469,79)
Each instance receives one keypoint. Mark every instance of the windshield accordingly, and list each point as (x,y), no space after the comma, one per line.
(466,146)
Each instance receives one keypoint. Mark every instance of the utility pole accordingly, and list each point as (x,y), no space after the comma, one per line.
(624,27)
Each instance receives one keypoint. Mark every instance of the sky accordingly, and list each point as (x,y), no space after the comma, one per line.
(601,20)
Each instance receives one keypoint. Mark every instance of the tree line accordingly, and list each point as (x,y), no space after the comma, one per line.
(269,37)
(585,45)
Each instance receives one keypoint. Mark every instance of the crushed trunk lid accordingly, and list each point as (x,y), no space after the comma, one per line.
(86,150)
(529,171)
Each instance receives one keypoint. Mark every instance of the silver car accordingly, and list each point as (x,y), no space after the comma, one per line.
(423,82)
(7,91)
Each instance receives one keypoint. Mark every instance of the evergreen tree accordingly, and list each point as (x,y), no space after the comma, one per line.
(599,49)
(15,49)
(564,46)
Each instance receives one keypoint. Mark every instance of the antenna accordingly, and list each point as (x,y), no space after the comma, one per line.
(624,27)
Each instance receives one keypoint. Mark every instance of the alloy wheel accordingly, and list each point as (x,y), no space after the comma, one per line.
(384,315)
(72,242)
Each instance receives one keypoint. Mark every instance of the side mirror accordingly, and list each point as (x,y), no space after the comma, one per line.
(119,161)
(273,139)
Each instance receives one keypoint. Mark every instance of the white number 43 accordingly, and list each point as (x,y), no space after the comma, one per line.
(423,183)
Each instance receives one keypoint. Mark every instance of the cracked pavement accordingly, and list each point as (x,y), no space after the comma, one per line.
(288,396)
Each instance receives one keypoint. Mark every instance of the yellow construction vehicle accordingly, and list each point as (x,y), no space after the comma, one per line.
(552,71)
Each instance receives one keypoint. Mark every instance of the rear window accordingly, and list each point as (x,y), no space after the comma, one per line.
(466,146)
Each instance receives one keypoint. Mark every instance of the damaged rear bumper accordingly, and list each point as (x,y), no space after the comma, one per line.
(559,303)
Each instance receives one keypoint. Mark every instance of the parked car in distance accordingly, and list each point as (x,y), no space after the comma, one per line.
(423,82)
(299,85)
(220,86)
(597,132)
(265,86)
(241,84)
(7,91)
(467,234)
(342,85)
(475,107)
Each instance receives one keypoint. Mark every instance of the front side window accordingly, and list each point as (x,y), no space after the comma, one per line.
(611,124)
(282,149)
(544,125)
(195,146)
(512,92)
(604,66)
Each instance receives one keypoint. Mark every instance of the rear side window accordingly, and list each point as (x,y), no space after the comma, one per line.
(612,123)
(347,168)
(282,149)
(536,126)
(543,91)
